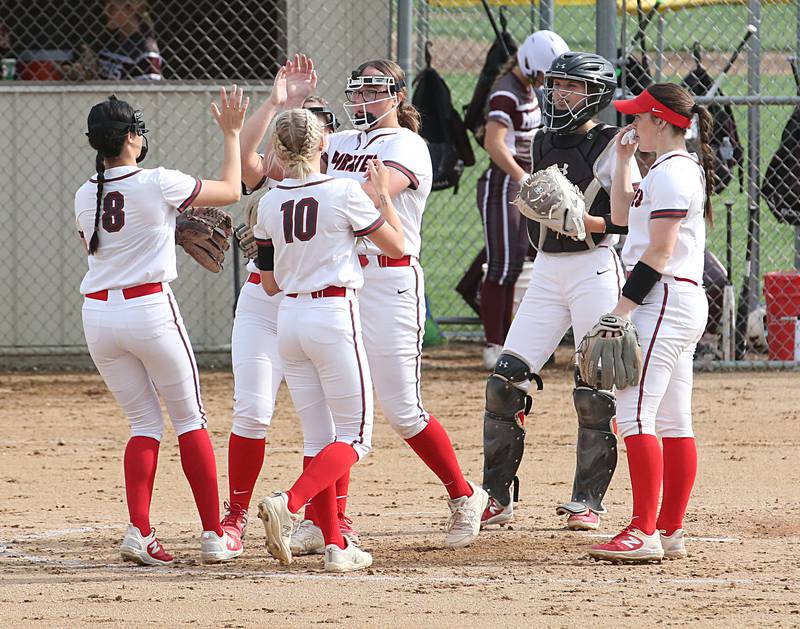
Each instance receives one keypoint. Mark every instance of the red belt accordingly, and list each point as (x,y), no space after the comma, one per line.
(384,261)
(675,277)
(330,291)
(130,293)
(255,278)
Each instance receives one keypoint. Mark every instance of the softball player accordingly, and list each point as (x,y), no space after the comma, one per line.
(573,283)
(513,114)
(257,368)
(132,324)
(392,301)
(306,232)
(664,298)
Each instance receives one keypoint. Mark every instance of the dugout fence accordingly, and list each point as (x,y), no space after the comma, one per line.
(54,81)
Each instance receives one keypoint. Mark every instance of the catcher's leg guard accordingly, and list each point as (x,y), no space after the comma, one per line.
(507,404)
(596,450)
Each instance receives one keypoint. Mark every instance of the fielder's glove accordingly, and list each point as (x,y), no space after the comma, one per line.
(204,233)
(553,201)
(609,354)
(244,231)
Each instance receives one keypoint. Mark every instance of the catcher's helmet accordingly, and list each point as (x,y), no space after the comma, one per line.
(595,72)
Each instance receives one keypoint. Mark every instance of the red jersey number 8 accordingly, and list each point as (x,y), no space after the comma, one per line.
(113,217)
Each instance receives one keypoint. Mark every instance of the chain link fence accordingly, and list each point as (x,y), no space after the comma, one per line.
(751,267)
(169,58)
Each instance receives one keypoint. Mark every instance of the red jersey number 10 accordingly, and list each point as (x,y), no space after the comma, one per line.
(299,219)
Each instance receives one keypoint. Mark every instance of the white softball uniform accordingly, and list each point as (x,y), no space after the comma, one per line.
(131,320)
(392,300)
(312,225)
(673,316)
(568,289)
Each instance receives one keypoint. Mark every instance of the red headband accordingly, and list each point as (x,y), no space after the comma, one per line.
(647,103)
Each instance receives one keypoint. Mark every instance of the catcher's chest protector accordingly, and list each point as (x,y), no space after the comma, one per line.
(579,153)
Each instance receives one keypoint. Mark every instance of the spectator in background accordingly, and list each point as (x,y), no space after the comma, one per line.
(128,48)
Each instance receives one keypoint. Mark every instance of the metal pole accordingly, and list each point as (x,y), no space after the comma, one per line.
(754,148)
(405,39)
(605,41)
(797,57)
(546,15)
(390,30)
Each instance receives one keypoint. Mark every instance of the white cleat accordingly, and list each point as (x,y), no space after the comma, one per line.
(307,539)
(630,546)
(146,551)
(346,560)
(495,513)
(465,517)
(674,545)
(278,524)
(216,549)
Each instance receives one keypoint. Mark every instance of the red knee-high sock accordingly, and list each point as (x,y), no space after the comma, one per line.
(644,461)
(680,469)
(331,463)
(342,487)
(433,446)
(309,512)
(200,468)
(325,510)
(141,460)
(493,311)
(245,458)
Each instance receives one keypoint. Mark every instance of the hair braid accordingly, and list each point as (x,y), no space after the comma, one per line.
(295,139)
(100,166)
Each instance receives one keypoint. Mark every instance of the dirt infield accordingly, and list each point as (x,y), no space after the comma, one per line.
(63,515)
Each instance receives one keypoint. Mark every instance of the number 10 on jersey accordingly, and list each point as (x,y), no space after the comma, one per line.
(299,219)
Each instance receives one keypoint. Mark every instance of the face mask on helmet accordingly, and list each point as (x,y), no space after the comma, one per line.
(329,120)
(559,116)
(371,89)
(135,126)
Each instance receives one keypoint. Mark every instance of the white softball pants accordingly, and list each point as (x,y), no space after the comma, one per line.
(571,289)
(325,367)
(392,304)
(141,349)
(257,366)
(669,322)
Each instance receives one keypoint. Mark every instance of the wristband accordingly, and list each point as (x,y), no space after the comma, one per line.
(613,229)
(640,282)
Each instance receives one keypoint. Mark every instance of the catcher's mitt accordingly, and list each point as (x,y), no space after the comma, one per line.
(204,234)
(609,354)
(244,231)
(553,201)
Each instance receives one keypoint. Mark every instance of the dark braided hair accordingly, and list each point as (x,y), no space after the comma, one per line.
(108,143)
(681,101)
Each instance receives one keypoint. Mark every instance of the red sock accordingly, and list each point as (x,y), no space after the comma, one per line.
(325,509)
(433,446)
(140,462)
(245,458)
(680,469)
(644,462)
(493,311)
(200,468)
(309,512)
(331,463)
(342,487)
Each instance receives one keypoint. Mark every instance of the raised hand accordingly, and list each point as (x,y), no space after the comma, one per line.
(231,110)
(278,94)
(301,80)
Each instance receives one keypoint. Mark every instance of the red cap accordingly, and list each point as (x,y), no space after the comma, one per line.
(647,103)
